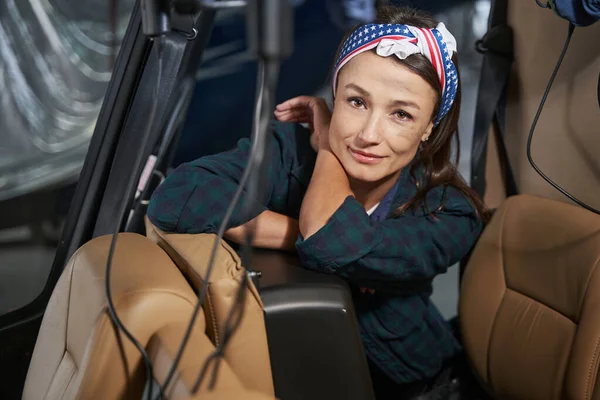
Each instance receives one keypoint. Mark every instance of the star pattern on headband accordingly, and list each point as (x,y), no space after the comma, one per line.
(370,35)
(450,74)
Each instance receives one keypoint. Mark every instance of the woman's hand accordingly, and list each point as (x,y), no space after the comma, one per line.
(311,110)
(272,231)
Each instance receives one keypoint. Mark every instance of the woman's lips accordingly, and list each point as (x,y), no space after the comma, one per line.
(365,158)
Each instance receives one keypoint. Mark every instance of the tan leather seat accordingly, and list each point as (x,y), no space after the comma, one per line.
(162,349)
(76,355)
(530,301)
(247,352)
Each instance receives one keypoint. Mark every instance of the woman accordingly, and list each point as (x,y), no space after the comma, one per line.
(368,193)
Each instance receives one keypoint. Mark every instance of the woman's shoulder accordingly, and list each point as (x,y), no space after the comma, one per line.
(447,198)
(294,141)
(291,134)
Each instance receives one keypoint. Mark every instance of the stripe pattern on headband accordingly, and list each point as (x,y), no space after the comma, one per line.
(436,44)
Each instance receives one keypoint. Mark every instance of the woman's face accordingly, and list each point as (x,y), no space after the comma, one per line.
(382,111)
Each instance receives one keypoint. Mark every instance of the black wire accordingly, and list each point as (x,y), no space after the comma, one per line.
(535,121)
(124,207)
(267,80)
(204,288)
(599,89)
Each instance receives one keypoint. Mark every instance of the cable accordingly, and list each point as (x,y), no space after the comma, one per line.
(535,121)
(268,76)
(220,233)
(122,211)
(169,133)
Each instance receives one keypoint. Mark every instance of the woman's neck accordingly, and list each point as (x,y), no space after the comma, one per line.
(371,193)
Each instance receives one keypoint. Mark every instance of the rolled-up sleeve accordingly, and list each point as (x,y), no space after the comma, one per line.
(406,248)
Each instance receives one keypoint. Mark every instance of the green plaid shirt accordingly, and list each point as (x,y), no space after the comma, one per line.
(402,330)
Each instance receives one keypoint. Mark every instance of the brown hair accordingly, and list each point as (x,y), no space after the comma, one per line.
(434,155)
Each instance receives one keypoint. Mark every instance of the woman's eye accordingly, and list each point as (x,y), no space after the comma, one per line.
(355,102)
(403,115)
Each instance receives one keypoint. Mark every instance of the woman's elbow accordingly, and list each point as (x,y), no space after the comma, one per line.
(162,214)
(168,202)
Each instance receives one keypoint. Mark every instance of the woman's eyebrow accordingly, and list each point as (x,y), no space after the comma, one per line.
(406,103)
(357,88)
(395,103)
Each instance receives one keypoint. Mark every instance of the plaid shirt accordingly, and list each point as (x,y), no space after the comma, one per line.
(402,330)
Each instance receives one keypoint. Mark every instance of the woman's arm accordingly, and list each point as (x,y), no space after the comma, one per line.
(273,231)
(329,185)
(194,198)
(328,188)
(393,252)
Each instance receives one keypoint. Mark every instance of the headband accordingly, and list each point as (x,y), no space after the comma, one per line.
(436,44)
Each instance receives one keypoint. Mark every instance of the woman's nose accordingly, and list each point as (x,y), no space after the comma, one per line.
(371,131)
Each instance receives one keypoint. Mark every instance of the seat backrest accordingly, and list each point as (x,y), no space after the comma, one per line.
(530,301)
(162,349)
(77,355)
(566,137)
(247,352)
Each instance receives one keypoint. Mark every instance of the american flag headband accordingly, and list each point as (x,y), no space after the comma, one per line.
(436,44)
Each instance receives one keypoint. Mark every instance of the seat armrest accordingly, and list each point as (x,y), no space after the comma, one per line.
(314,340)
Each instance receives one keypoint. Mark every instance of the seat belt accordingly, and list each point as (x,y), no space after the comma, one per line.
(497,48)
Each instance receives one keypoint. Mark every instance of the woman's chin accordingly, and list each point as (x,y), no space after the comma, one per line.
(363,174)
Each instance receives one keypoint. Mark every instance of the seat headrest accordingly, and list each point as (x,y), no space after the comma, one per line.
(191,252)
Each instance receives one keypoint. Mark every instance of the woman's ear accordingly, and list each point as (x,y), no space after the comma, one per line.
(427,133)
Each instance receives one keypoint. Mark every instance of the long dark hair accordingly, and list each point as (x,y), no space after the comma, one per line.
(434,155)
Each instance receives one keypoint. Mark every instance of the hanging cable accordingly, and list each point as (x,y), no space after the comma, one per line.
(268,76)
(121,215)
(254,151)
(535,121)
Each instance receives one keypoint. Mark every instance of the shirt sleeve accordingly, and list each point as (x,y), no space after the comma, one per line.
(194,198)
(380,254)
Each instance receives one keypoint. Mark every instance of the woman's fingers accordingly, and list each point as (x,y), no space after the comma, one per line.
(307,109)
(296,112)
(365,290)
(293,116)
(300,101)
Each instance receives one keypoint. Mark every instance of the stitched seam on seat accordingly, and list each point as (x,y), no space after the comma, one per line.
(595,355)
(66,346)
(489,345)
(542,303)
(587,285)
(64,391)
(213,318)
(589,377)
(557,311)
(75,256)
